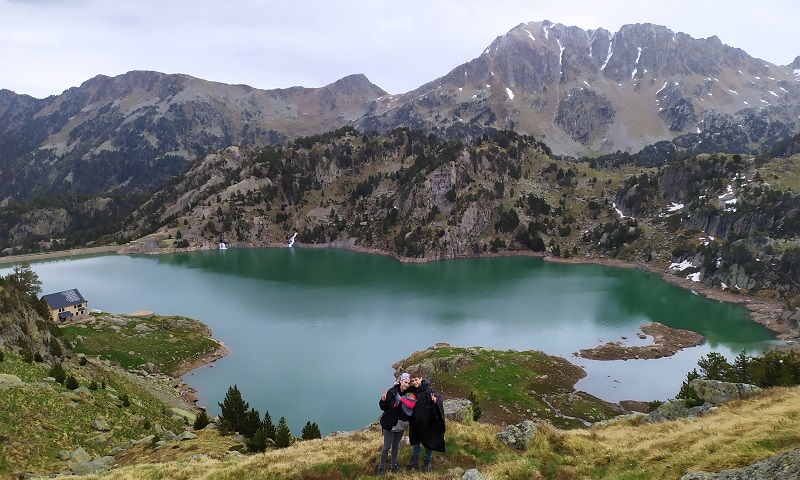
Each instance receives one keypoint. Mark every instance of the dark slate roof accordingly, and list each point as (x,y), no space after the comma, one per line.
(64,299)
(64,315)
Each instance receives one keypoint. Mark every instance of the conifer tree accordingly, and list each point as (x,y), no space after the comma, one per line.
(234,411)
(283,437)
(57,372)
(739,369)
(687,392)
(268,426)
(201,421)
(258,443)
(252,422)
(311,431)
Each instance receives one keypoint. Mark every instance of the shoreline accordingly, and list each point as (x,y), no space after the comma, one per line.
(35,257)
(766,312)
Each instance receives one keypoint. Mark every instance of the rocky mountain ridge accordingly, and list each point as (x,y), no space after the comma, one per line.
(134,131)
(590,91)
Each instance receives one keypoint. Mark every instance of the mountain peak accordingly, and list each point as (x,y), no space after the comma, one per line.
(356,83)
(796,63)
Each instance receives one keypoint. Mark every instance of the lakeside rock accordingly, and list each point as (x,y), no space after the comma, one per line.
(716,392)
(675,409)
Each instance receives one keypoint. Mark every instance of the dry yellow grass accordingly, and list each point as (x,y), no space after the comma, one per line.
(736,434)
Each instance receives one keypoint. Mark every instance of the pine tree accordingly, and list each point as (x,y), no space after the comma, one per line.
(234,411)
(268,426)
(739,369)
(476,406)
(687,392)
(283,437)
(252,422)
(311,431)
(714,367)
(201,421)
(258,443)
(1,355)
(126,401)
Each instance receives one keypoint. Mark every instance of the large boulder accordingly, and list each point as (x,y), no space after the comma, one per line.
(99,464)
(716,392)
(100,425)
(187,435)
(519,436)
(781,467)
(675,409)
(458,410)
(9,381)
(472,474)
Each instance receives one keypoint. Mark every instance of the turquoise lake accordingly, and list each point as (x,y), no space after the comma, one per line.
(313,333)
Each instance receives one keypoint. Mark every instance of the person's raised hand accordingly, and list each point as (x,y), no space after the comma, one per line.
(433,398)
(383,397)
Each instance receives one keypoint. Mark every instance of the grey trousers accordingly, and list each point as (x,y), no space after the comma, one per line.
(390,440)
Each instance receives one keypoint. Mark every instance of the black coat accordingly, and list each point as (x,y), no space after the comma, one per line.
(391,411)
(427,421)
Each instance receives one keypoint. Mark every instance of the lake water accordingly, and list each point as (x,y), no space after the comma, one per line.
(313,333)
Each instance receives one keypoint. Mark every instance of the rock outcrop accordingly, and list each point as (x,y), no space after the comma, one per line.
(519,436)
(716,392)
(458,410)
(781,467)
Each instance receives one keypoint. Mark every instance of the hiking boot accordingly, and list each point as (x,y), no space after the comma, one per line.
(395,468)
(426,467)
(379,471)
(412,464)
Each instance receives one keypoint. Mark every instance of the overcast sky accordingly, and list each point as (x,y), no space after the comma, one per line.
(47,46)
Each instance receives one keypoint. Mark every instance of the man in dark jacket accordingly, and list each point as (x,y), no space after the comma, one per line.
(427,425)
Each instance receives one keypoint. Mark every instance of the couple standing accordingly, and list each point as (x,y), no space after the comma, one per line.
(411,403)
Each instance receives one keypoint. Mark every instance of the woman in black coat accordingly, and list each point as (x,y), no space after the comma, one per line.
(393,421)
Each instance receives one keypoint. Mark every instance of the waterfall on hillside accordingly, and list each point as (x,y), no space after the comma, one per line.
(291,240)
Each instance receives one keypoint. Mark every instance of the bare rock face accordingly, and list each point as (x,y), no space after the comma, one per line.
(584,114)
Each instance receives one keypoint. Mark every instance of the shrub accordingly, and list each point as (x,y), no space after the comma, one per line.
(57,371)
(126,401)
(27,356)
(201,421)
(476,406)
(146,424)
(37,357)
(283,436)
(93,385)
(103,384)
(1,356)
(154,441)
(72,383)
(83,361)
